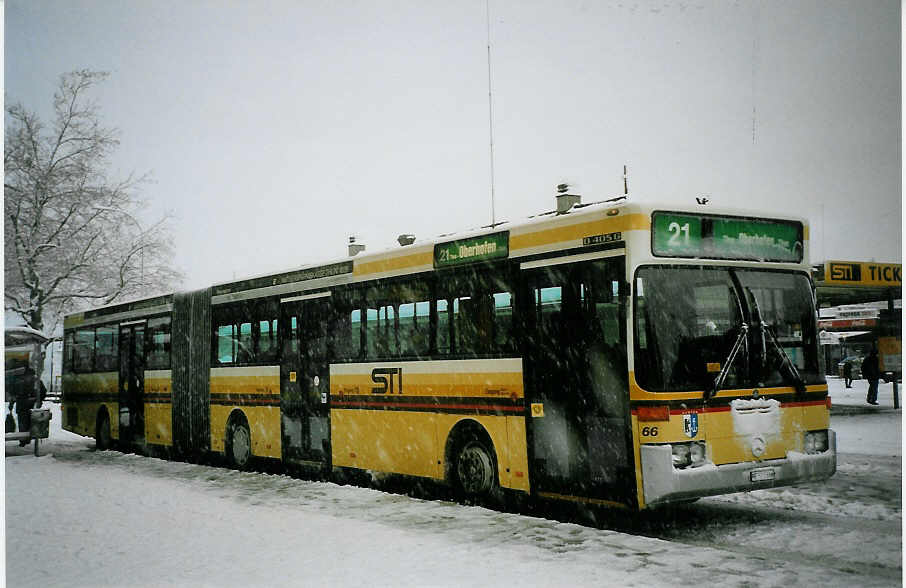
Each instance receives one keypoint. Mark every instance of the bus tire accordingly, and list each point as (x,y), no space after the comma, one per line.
(474,468)
(102,438)
(238,442)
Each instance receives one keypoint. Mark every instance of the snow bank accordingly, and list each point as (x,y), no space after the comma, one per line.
(109,519)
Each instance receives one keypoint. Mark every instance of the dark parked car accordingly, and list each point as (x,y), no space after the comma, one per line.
(856,362)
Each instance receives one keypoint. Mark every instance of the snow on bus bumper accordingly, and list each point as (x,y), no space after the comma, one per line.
(662,483)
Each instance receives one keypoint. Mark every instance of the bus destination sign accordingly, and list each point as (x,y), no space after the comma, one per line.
(473,249)
(677,234)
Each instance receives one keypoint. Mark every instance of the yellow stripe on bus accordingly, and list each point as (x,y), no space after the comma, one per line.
(490,385)
(249,380)
(636,392)
(572,232)
(400,262)
(91,384)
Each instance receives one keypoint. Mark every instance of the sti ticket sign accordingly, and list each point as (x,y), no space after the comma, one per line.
(856,273)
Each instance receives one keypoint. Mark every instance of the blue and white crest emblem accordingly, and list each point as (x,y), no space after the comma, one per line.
(690,425)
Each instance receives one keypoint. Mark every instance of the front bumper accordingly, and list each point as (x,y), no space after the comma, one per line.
(663,484)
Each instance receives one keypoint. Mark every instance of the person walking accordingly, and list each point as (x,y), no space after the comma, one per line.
(848,373)
(871,371)
(26,396)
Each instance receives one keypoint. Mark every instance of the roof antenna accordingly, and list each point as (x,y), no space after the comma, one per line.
(625,182)
(490,113)
(756,19)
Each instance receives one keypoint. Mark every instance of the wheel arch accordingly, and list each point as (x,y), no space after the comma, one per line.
(463,431)
(236,416)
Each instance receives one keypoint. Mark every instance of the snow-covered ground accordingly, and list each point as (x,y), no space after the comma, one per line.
(866,429)
(77,517)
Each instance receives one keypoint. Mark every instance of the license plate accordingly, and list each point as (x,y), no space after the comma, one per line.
(761,475)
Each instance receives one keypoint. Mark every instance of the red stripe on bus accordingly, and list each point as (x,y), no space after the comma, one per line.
(727,408)
(822,402)
(486,407)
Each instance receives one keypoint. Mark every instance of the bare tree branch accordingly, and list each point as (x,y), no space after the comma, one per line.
(71,236)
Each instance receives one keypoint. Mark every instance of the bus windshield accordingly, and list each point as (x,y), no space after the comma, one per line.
(689,318)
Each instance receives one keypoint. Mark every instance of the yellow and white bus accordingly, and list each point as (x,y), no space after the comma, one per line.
(615,353)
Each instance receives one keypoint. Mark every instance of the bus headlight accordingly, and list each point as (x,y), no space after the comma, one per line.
(688,454)
(816,441)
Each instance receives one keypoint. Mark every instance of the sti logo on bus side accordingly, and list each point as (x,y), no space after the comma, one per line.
(384,377)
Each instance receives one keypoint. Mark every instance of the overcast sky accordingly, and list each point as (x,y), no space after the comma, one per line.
(275,129)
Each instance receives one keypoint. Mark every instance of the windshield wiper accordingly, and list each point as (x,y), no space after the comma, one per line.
(725,370)
(756,315)
(798,382)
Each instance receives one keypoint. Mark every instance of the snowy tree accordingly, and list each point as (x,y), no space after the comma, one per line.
(72,238)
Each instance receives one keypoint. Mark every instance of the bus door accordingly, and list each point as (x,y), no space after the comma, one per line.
(304,383)
(132,382)
(577,373)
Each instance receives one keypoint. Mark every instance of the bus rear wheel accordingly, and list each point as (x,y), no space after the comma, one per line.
(239,444)
(476,474)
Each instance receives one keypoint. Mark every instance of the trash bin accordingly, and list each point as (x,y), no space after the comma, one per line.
(40,423)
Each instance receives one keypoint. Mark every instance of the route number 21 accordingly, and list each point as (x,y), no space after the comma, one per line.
(678,231)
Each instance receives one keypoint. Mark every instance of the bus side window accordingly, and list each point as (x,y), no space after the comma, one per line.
(339,330)
(398,321)
(290,337)
(414,328)
(159,337)
(83,350)
(380,334)
(69,351)
(466,324)
(245,348)
(503,321)
(106,349)
(548,303)
(444,324)
(267,341)
(355,339)
(225,344)
(474,314)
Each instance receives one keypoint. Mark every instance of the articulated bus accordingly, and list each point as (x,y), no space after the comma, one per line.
(613,354)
